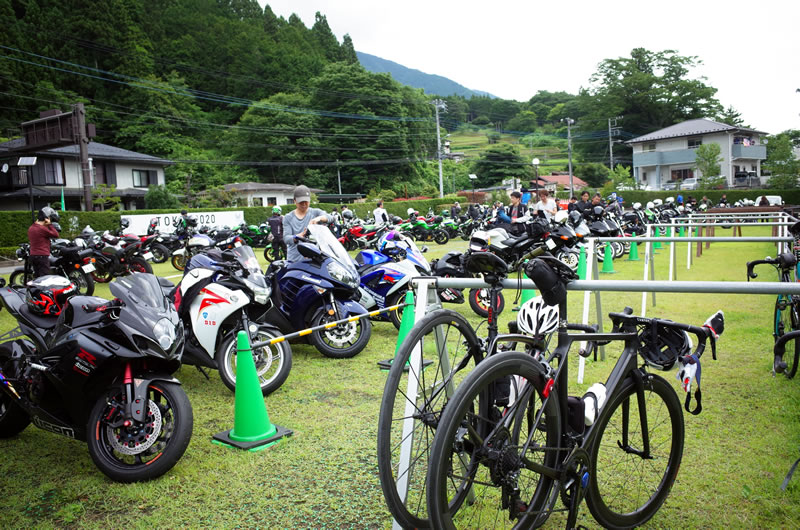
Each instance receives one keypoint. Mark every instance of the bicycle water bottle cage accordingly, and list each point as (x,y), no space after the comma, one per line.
(493,268)
(662,345)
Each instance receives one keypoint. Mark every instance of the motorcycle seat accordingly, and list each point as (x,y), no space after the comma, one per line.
(40,321)
(514,240)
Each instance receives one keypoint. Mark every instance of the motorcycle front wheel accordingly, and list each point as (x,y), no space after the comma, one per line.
(479,302)
(13,419)
(17,278)
(441,237)
(179,261)
(343,341)
(140,451)
(160,253)
(273,363)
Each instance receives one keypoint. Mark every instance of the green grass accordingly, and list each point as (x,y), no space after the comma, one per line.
(325,476)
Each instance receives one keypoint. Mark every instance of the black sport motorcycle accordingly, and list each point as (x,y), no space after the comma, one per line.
(100,372)
(66,259)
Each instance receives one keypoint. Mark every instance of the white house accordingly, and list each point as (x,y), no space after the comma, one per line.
(59,169)
(263,194)
(668,155)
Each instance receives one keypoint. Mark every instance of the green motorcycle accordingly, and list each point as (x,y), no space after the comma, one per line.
(426,230)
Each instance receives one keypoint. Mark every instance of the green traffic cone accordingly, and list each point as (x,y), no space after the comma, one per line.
(657,244)
(406,323)
(633,254)
(527,294)
(668,233)
(252,429)
(608,260)
(680,232)
(582,264)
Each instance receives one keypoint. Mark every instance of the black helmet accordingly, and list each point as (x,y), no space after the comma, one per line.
(347,214)
(48,213)
(597,210)
(662,345)
(184,213)
(49,294)
(124,223)
(191,221)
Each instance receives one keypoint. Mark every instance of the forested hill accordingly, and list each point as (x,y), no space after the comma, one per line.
(430,83)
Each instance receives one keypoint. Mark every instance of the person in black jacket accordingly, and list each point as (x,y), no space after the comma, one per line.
(584,202)
(276,227)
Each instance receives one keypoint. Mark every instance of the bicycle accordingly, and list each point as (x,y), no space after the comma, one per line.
(786,316)
(513,440)
(451,349)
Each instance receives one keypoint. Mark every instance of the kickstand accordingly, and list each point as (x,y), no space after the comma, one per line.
(200,369)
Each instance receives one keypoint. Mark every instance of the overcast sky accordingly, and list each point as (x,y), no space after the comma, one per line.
(512,49)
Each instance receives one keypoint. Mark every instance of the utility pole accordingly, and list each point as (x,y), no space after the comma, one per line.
(439,103)
(339,176)
(612,131)
(570,122)
(83,147)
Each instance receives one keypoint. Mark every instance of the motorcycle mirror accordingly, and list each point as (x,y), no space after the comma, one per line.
(310,251)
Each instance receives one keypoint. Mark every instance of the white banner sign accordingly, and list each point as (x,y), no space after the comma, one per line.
(165,222)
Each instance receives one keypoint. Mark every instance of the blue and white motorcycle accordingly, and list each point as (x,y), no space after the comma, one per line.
(386,274)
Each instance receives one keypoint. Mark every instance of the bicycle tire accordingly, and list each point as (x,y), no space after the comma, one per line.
(608,460)
(496,459)
(463,353)
(785,316)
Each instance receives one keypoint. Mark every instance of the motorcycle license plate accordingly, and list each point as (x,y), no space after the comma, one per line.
(88,268)
(237,244)
(550,244)
(147,255)
(159,239)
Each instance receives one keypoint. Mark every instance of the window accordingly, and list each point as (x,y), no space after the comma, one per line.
(649,147)
(289,201)
(644,176)
(694,143)
(53,171)
(272,201)
(258,201)
(681,174)
(139,178)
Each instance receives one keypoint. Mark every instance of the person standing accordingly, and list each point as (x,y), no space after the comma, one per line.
(380,214)
(295,223)
(584,202)
(573,204)
(275,222)
(545,205)
(337,222)
(39,235)
(517,212)
(455,211)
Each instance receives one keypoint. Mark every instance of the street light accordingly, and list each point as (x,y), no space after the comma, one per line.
(536,172)
(473,177)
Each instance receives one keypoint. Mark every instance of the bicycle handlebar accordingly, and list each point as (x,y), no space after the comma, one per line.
(784,261)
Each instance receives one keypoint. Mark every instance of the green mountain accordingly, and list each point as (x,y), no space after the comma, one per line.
(432,84)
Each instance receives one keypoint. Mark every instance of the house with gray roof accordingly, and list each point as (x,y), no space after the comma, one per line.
(59,169)
(264,193)
(668,155)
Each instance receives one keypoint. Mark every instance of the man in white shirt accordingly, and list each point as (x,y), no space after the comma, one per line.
(380,214)
(545,205)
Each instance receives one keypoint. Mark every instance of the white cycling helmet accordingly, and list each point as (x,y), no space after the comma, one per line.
(536,318)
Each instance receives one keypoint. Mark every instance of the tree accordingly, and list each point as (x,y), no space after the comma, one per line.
(707,162)
(499,162)
(781,162)
(594,173)
(158,197)
(103,197)
(651,90)
(731,117)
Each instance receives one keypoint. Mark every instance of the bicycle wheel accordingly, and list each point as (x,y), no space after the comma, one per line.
(457,352)
(786,319)
(494,438)
(627,489)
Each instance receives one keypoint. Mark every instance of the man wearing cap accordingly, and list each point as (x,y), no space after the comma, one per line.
(296,222)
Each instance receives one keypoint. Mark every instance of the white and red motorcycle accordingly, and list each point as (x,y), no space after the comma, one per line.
(220,294)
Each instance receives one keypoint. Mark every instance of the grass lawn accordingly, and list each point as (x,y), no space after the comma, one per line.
(736,455)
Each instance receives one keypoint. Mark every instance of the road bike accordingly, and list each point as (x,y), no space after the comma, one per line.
(785,317)
(511,441)
(409,418)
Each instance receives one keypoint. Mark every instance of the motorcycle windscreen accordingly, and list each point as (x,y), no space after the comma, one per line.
(146,310)
(330,246)
(413,253)
(140,289)
(246,258)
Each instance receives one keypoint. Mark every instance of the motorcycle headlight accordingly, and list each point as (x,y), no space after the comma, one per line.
(337,271)
(164,331)
(260,293)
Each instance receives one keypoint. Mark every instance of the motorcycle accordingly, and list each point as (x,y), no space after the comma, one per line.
(321,289)
(116,256)
(200,242)
(99,372)
(220,294)
(67,259)
(386,274)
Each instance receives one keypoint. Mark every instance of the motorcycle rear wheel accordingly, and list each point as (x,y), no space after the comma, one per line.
(17,278)
(83,281)
(13,419)
(273,254)
(160,253)
(142,451)
(479,302)
(139,264)
(273,363)
(441,237)
(100,274)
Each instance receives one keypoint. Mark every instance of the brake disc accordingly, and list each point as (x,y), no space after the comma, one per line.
(137,438)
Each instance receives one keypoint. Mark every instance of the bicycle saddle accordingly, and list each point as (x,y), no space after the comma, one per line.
(493,268)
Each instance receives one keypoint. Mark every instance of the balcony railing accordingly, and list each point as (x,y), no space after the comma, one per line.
(755,152)
(664,158)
